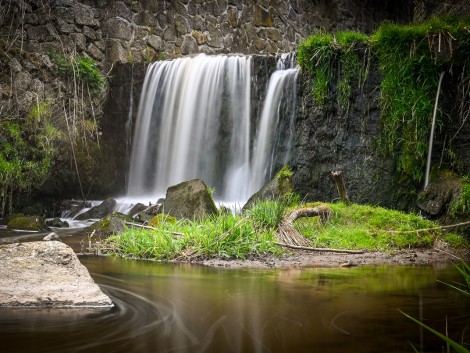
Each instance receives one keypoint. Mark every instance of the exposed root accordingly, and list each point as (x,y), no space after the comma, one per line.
(289,235)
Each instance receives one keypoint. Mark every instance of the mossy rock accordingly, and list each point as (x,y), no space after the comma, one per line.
(277,188)
(189,200)
(5,220)
(162,217)
(111,224)
(33,223)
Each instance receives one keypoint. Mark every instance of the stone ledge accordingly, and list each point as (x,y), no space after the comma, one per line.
(46,274)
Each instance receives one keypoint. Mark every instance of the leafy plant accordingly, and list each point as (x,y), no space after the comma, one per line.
(82,68)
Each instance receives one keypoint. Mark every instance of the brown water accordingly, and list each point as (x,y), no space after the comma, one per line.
(185,308)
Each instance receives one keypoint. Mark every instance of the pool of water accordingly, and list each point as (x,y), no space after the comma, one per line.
(188,308)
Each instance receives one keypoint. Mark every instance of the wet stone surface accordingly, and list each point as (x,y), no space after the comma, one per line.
(46,274)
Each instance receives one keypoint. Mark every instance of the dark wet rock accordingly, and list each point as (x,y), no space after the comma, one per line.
(100,211)
(34,223)
(435,199)
(190,199)
(57,222)
(148,213)
(277,188)
(51,237)
(139,207)
(46,274)
(109,225)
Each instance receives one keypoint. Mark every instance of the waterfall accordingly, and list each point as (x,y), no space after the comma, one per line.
(280,101)
(195,121)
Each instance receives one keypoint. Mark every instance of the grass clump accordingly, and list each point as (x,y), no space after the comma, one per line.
(367,227)
(224,236)
(83,69)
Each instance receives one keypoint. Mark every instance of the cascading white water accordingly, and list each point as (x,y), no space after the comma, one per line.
(194,121)
(280,98)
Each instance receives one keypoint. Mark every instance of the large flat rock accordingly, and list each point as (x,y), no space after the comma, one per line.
(46,274)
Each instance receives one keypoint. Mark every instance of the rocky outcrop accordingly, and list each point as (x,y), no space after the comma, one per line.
(100,211)
(190,199)
(278,187)
(46,274)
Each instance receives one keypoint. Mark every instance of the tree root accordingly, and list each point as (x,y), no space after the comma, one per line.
(289,236)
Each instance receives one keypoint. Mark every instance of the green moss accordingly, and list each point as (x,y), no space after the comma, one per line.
(367,227)
(159,218)
(34,223)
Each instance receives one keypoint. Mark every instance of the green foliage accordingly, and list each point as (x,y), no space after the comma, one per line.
(317,55)
(225,236)
(81,68)
(253,234)
(367,227)
(26,153)
(461,204)
(411,59)
(267,214)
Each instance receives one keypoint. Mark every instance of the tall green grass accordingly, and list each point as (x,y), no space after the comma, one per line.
(224,236)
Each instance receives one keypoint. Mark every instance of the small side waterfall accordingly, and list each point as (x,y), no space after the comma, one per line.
(280,101)
(194,121)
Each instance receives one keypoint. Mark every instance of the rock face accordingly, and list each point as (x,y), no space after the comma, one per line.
(190,199)
(46,274)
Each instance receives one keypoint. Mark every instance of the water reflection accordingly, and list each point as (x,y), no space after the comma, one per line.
(183,308)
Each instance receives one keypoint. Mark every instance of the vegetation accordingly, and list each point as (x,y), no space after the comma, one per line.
(81,69)
(27,150)
(464,289)
(224,236)
(318,54)
(410,59)
(253,234)
(367,227)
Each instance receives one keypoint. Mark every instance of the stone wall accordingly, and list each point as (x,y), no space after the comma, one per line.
(129,30)
(32,32)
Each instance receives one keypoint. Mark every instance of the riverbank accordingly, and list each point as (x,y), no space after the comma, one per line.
(440,253)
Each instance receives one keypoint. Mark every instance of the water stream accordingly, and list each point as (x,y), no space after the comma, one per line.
(187,308)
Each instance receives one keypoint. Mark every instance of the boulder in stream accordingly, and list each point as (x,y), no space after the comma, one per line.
(190,200)
(111,224)
(46,274)
(100,211)
(33,223)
